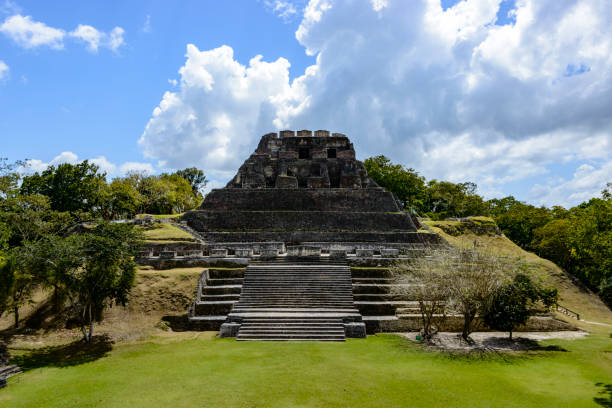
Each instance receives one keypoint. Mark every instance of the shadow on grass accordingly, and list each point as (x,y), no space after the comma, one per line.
(520,344)
(606,399)
(66,355)
(501,350)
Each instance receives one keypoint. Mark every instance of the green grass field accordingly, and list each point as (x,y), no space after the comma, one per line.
(198,370)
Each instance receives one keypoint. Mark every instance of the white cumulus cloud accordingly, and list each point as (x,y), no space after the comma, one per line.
(95,38)
(30,34)
(447,92)
(218,113)
(587,182)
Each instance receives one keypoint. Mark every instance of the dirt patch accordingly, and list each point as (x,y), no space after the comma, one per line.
(496,341)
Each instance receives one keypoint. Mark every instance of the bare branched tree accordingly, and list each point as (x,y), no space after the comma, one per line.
(476,275)
(453,280)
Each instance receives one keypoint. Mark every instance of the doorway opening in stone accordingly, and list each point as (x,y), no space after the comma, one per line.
(331,153)
(304,153)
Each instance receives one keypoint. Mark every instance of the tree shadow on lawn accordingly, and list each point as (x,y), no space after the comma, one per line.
(493,350)
(72,354)
(606,399)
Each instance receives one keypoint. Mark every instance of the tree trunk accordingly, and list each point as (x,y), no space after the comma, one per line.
(91,331)
(16,312)
(84,334)
(467,323)
(510,334)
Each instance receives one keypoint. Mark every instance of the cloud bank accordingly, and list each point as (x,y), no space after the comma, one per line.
(456,93)
(111,169)
(28,34)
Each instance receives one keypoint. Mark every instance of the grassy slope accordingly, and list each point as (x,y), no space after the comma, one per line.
(166,232)
(588,305)
(382,371)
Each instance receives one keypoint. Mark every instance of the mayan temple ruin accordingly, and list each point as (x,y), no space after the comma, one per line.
(300,211)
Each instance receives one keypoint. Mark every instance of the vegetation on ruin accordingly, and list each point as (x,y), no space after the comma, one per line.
(576,239)
(166,232)
(472,282)
(574,297)
(196,369)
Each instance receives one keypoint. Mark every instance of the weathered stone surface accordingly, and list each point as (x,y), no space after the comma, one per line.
(356,330)
(364,253)
(218,252)
(167,254)
(373,200)
(337,253)
(229,329)
(303,250)
(391,253)
(300,188)
(243,252)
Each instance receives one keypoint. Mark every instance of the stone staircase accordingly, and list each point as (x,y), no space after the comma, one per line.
(217,292)
(295,300)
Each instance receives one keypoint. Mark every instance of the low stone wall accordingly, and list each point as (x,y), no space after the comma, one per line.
(408,323)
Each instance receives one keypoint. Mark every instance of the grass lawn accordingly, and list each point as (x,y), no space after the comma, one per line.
(198,370)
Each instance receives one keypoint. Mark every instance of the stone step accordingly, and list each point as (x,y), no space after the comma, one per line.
(225,273)
(214,307)
(224,296)
(289,325)
(307,333)
(221,290)
(380,297)
(371,273)
(376,308)
(294,338)
(371,288)
(228,281)
(292,321)
(306,295)
(324,310)
(373,280)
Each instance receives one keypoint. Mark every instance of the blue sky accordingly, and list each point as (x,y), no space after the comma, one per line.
(511,94)
(98,103)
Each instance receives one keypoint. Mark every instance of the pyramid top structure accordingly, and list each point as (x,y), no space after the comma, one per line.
(292,159)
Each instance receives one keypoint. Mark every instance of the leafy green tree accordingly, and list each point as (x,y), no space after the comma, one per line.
(107,273)
(520,220)
(590,243)
(405,183)
(70,187)
(119,200)
(551,241)
(195,177)
(446,199)
(9,178)
(163,194)
(23,281)
(30,217)
(512,304)
(51,260)
(7,278)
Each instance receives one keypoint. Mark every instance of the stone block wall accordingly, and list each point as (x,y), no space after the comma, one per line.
(358,200)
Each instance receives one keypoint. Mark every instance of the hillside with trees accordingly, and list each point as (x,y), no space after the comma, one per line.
(578,239)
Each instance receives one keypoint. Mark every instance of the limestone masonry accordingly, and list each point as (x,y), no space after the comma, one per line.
(297,189)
